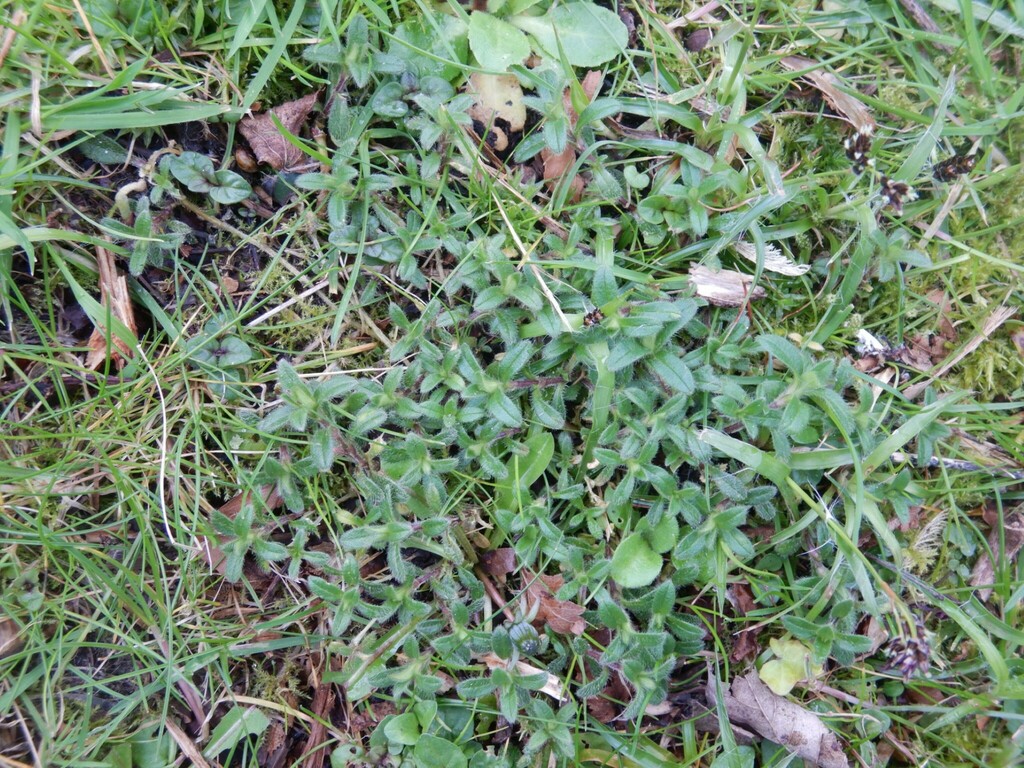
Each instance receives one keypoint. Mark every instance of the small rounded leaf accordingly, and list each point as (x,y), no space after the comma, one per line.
(635,563)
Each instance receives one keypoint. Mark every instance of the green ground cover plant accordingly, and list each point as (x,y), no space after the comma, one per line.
(531,383)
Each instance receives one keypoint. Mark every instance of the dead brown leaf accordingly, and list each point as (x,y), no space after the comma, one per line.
(774,259)
(268,143)
(831,86)
(591,84)
(751,703)
(601,709)
(612,700)
(556,164)
(992,323)
(11,639)
(499,562)
(1010,534)
(113,296)
(1018,341)
(563,616)
(745,645)
(723,288)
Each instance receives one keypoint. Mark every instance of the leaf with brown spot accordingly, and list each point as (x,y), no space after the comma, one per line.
(563,616)
(268,143)
(498,106)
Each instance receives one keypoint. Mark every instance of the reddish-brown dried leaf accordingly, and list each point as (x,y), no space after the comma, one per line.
(563,616)
(114,295)
(268,143)
(499,562)
(11,639)
(745,646)
(602,710)
(556,164)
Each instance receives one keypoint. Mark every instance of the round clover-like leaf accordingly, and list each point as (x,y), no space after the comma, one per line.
(635,563)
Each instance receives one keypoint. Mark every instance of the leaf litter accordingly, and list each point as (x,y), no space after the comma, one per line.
(752,704)
(268,143)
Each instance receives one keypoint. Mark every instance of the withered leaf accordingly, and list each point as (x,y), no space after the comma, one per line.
(563,616)
(268,143)
(499,562)
(11,637)
(830,86)
(113,295)
(751,703)
(1011,534)
(723,288)
(774,259)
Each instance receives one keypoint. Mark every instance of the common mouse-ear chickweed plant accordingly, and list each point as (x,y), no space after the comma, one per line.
(519,421)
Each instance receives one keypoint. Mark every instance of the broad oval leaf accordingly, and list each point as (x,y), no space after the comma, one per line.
(587,34)
(496,44)
(229,188)
(435,752)
(635,563)
(403,729)
(193,170)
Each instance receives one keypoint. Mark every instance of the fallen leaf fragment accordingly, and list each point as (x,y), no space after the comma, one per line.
(1011,533)
(750,703)
(724,288)
(11,639)
(745,646)
(831,89)
(268,143)
(774,259)
(499,563)
(992,323)
(563,616)
(552,687)
(113,296)
(556,164)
